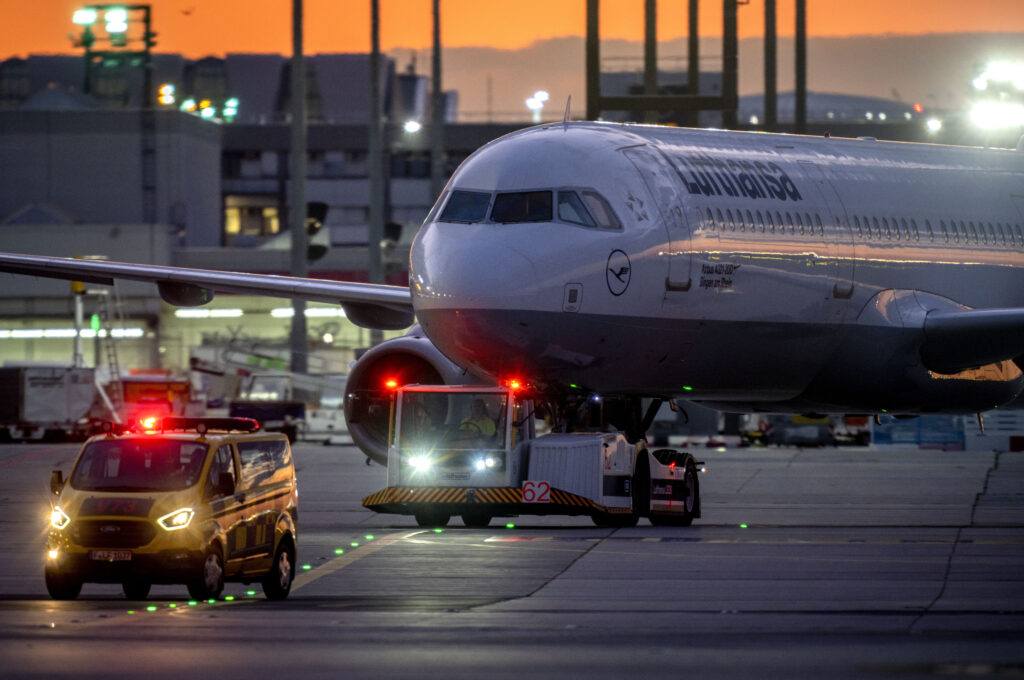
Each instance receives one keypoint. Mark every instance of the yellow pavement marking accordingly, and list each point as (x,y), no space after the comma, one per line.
(307,577)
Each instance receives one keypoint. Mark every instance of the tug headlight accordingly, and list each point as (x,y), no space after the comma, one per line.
(487,463)
(421,463)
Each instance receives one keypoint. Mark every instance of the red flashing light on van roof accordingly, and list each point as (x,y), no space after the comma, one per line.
(391,384)
(149,423)
(514,384)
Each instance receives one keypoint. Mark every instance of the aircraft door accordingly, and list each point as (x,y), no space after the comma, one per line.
(839,239)
(663,185)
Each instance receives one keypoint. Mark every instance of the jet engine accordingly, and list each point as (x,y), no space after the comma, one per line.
(408,360)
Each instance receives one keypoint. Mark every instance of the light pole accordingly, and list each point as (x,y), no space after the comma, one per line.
(297,209)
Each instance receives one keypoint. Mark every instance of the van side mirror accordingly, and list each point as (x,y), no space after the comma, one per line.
(56,482)
(225,484)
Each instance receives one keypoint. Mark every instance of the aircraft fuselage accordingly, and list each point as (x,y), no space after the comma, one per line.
(739,269)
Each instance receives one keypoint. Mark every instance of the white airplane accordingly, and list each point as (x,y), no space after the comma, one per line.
(743,271)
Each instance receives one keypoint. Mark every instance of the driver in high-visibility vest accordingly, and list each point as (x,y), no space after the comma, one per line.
(478,421)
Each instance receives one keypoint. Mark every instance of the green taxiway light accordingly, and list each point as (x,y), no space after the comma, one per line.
(354,544)
(339,551)
(173,606)
(131,611)
(151,608)
(192,603)
(743,526)
(250,593)
(230,598)
(210,601)
(438,530)
(687,388)
(510,526)
(306,567)
(369,537)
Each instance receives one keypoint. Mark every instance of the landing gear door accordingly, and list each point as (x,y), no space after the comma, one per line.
(662,184)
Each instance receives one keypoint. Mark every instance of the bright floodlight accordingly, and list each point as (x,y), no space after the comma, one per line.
(117,20)
(84,17)
(412,126)
(534,104)
(933,125)
(997,115)
(541,96)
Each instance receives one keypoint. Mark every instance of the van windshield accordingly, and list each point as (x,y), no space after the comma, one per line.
(139,464)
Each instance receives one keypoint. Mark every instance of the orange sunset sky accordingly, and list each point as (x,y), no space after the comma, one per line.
(198,28)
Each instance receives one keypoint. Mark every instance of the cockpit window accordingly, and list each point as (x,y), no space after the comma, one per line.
(601,211)
(466,206)
(524,206)
(572,210)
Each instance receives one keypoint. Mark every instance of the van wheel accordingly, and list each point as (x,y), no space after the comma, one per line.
(62,586)
(136,590)
(210,583)
(278,581)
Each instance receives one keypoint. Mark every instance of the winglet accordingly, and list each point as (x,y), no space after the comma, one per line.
(565,118)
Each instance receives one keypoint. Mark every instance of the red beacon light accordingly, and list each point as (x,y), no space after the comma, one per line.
(149,423)
(391,384)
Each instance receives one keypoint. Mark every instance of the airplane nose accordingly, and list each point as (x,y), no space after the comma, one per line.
(469,269)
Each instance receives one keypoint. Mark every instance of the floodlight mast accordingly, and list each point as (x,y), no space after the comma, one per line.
(116,21)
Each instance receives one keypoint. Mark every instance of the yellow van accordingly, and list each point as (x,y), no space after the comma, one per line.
(198,501)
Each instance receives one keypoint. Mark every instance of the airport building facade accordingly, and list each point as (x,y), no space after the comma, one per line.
(100,176)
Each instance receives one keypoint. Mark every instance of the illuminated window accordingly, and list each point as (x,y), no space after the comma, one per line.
(249,218)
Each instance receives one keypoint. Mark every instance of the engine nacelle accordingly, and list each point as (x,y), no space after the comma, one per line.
(408,360)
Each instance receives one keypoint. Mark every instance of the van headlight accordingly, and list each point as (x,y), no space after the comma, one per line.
(58,518)
(179,519)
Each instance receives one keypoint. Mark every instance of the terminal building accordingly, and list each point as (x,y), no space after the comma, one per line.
(202,181)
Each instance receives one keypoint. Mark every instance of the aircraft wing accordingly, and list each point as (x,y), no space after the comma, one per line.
(365,304)
(962,339)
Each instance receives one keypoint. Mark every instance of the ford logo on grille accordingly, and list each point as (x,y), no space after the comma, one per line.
(110,528)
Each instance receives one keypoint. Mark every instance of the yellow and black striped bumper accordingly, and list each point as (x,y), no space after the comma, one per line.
(405,500)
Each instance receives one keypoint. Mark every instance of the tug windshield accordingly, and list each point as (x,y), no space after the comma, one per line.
(452,429)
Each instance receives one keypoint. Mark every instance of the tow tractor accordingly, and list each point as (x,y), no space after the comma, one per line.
(474,451)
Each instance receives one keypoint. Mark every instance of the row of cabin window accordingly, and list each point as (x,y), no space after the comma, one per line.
(982,233)
(756,221)
(867,228)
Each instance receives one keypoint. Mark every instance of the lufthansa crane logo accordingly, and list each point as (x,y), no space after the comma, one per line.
(617,273)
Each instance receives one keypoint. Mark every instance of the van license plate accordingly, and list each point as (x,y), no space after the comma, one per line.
(111,555)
